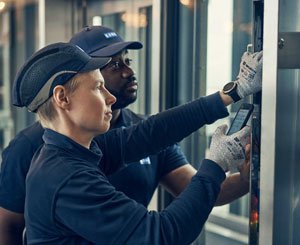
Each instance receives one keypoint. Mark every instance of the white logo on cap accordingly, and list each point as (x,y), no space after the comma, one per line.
(110,34)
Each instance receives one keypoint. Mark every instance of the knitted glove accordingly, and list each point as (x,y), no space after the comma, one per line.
(250,75)
(228,151)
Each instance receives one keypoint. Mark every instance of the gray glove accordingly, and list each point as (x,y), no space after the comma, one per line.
(250,75)
(228,151)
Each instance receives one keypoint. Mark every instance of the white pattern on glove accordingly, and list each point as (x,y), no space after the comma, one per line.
(249,80)
(228,151)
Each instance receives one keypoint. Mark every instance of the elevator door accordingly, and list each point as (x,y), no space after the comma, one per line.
(280,165)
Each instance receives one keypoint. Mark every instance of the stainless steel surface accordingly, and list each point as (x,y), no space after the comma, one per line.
(287,188)
(268,122)
(280,165)
(289,51)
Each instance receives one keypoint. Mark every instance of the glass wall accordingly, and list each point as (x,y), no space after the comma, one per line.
(5,115)
(18,40)
(224,57)
(212,37)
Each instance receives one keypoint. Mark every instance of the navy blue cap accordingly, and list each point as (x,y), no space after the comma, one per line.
(52,65)
(100,41)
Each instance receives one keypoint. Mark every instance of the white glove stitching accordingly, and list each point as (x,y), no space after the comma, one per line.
(228,151)
(249,79)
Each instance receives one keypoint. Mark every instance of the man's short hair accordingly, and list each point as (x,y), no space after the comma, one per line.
(53,65)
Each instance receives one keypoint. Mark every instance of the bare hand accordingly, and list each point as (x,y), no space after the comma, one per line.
(244,168)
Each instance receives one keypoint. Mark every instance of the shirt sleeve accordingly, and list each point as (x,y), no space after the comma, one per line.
(14,168)
(158,132)
(91,208)
(170,159)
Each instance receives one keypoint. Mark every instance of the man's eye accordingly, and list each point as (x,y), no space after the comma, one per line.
(128,61)
(116,65)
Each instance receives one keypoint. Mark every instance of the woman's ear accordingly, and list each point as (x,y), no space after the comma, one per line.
(60,97)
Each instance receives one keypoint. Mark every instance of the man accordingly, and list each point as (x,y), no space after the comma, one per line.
(163,167)
(76,204)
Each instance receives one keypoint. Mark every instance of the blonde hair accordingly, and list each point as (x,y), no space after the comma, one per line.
(46,111)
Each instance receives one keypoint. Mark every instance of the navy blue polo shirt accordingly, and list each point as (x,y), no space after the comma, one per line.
(16,159)
(139,179)
(70,201)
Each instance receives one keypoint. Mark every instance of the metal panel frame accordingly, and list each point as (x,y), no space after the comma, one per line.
(268,136)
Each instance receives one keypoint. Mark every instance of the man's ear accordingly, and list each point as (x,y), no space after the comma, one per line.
(60,97)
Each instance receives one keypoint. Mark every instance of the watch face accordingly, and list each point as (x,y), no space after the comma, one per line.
(229,87)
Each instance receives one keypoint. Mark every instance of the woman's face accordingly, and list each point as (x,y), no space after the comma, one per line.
(90,109)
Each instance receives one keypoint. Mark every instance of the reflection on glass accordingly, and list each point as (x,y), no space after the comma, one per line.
(144,69)
(223,58)
(115,22)
(5,115)
(1,78)
(2,5)
(207,59)
(131,19)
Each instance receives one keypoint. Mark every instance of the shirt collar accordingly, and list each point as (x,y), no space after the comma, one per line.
(92,155)
(125,119)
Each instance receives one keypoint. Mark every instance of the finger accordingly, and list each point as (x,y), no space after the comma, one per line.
(244,170)
(258,55)
(245,54)
(260,61)
(221,130)
(245,132)
(249,141)
(244,166)
(243,135)
(247,151)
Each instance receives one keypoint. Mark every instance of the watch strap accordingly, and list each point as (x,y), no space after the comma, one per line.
(231,90)
(234,95)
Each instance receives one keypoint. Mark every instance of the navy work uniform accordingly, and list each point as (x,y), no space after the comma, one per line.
(76,204)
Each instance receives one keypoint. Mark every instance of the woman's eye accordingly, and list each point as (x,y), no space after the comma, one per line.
(100,88)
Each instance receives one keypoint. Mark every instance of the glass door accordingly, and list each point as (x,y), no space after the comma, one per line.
(6,123)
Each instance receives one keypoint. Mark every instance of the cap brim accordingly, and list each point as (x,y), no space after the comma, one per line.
(95,63)
(115,48)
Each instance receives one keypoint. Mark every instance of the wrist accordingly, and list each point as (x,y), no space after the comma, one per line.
(227,100)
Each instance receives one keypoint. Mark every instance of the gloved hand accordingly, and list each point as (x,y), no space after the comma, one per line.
(228,151)
(250,75)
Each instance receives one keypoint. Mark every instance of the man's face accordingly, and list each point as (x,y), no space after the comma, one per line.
(120,80)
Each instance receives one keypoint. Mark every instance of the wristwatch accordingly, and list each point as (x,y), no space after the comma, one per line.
(231,90)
